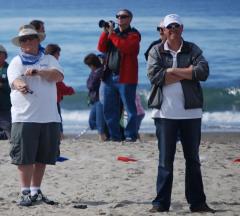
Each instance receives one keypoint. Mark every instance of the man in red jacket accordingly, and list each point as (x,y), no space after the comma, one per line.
(121,46)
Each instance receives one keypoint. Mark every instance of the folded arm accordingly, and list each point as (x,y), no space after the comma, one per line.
(177,74)
(51,75)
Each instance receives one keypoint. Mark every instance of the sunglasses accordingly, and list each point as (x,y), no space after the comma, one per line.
(159,29)
(121,16)
(24,39)
(173,26)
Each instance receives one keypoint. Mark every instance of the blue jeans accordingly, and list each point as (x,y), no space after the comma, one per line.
(167,131)
(96,118)
(139,121)
(113,93)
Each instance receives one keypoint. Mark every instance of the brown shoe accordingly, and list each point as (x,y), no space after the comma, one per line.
(202,208)
(156,209)
(102,137)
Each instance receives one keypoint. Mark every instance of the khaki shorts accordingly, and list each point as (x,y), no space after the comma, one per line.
(34,143)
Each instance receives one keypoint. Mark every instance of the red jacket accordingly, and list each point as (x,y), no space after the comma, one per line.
(128,46)
(63,90)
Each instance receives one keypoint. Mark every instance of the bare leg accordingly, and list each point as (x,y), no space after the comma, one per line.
(37,176)
(25,173)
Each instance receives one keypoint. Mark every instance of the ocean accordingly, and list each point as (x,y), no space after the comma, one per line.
(73,24)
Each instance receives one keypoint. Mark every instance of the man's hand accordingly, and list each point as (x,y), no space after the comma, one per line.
(31,72)
(111,27)
(176,74)
(21,86)
(47,74)
(171,77)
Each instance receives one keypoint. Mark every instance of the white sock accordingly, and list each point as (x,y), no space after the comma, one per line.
(25,189)
(34,190)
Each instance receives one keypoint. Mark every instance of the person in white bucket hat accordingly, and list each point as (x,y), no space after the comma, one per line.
(26,31)
(35,131)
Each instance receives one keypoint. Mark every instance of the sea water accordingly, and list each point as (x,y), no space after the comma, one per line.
(73,24)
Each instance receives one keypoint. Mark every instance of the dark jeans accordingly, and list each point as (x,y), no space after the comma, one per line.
(60,114)
(167,131)
(5,124)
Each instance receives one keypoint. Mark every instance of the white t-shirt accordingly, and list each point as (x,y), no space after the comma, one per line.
(173,98)
(41,106)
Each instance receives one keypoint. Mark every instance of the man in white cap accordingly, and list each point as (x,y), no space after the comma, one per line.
(177,67)
(5,103)
(162,38)
(35,120)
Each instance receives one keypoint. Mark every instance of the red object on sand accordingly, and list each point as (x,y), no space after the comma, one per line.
(125,159)
(237,160)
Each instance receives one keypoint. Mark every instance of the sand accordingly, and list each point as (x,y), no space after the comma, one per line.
(93,176)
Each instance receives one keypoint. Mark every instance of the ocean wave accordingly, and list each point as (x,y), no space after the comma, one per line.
(76,121)
(215,99)
(221,110)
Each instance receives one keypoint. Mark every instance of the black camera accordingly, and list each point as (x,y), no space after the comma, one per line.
(3,78)
(104,24)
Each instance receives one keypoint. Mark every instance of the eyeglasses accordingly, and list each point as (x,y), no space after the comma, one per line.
(173,26)
(24,39)
(159,29)
(121,16)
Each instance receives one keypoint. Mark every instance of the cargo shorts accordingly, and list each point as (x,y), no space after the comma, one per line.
(34,143)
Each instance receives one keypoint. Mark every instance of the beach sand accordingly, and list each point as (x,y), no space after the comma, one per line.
(93,176)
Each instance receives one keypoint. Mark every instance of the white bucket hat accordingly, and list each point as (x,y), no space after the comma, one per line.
(27,30)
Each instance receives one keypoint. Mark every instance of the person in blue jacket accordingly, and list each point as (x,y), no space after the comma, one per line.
(96,117)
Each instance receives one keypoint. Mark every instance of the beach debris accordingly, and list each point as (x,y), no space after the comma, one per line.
(126,159)
(80,206)
(101,212)
(82,132)
(62,159)
(123,203)
(236,160)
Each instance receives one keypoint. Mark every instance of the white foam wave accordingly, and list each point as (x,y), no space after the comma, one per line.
(76,121)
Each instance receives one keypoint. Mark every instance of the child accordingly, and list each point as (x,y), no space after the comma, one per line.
(96,117)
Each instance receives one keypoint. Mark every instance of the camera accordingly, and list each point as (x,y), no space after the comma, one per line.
(104,24)
(3,78)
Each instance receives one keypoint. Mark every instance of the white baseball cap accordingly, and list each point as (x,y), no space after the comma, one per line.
(161,25)
(172,18)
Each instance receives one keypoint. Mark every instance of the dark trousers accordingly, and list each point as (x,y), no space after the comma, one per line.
(5,124)
(167,131)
